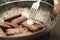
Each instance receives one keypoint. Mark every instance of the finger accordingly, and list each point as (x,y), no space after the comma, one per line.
(55,11)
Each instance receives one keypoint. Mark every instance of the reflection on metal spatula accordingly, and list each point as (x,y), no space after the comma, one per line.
(33,11)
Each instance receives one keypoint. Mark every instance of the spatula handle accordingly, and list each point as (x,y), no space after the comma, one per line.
(38,1)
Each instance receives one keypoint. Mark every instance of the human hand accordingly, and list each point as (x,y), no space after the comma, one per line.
(56,6)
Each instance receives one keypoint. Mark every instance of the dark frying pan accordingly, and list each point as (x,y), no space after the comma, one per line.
(44,5)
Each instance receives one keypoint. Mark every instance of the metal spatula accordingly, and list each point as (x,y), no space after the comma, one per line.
(34,9)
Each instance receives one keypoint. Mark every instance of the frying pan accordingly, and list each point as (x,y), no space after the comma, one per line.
(44,5)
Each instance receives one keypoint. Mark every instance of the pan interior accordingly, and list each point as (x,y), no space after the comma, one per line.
(44,14)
